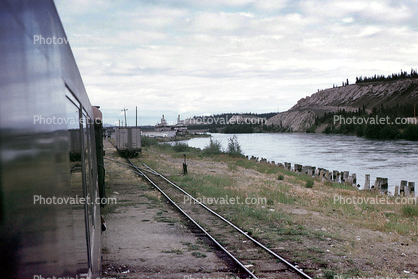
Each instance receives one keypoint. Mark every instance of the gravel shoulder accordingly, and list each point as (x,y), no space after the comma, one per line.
(146,238)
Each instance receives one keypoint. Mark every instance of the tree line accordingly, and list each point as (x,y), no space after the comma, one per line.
(394,76)
(376,78)
(390,130)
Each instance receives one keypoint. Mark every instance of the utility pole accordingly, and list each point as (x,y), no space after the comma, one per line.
(136,116)
(124,111)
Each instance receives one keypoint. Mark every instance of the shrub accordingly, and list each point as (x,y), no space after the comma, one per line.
(214,148)
(329,274)
(309,183)
(311,129)
(165,146)
(234,148)
(281,177)
(327,130)
(410,133)
(147,141)
(181,147)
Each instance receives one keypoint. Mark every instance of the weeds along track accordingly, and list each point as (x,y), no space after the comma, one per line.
(252,258)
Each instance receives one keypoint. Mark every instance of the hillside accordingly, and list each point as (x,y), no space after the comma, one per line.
(350,97)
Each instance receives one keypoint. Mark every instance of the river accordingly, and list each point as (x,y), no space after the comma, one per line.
(392,159)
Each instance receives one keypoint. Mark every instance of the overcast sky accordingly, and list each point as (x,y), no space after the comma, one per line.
(196,57)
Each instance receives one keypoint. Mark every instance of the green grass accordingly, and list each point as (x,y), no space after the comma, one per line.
(165,219)
(284,191)
(174,251)
(410,210)
(310,183)
(281,195)
(262,168)
(316,250)
(152,197)
(341,186)
(207,185)
(198,254)
(147,141)
(191,246)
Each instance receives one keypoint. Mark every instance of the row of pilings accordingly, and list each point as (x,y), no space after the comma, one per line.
(381,184)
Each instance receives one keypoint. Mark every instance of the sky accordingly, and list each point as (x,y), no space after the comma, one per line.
(203,57)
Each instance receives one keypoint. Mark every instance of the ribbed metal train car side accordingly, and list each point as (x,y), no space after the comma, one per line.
(44,109)
(128,141)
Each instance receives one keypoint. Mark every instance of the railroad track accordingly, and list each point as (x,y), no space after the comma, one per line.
(252,258)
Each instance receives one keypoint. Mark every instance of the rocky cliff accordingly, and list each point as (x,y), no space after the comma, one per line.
(350,97)
(296,120)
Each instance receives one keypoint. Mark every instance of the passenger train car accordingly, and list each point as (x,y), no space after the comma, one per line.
(50,179)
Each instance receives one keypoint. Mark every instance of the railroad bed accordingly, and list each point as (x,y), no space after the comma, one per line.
(251,258)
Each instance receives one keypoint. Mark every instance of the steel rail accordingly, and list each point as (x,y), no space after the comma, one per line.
(193,221)
(150,170)
(300,272)
(114,145)
(130,165)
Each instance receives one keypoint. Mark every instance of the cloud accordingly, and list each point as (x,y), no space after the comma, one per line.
(195,57)
(78,7)
(381,10)
(270,4)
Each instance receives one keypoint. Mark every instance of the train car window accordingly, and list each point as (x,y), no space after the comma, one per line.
(76,183)
(70,96)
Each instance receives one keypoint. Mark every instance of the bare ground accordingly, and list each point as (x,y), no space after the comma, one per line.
(146,238)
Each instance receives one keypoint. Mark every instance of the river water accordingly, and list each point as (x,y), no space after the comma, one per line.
(392,159)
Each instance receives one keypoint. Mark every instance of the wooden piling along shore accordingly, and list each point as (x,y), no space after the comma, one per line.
(406,188)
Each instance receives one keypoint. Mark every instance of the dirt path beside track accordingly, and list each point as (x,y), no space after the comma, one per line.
(146,238)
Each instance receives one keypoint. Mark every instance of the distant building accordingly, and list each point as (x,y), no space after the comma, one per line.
(163,126)
(179,128)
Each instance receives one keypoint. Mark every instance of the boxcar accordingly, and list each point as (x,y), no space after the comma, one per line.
(128,141)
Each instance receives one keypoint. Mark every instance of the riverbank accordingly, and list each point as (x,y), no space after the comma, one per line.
(309,226)
(394,160)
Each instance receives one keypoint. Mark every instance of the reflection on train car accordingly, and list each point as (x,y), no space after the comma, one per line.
(48,149)
(75,145)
